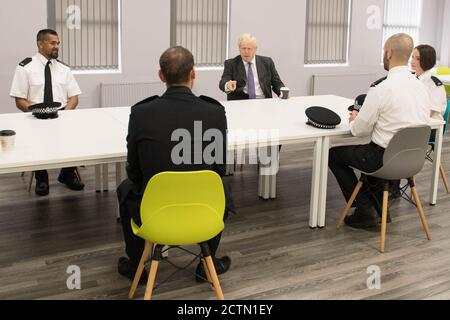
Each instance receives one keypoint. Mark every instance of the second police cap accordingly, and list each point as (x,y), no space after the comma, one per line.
(359,101)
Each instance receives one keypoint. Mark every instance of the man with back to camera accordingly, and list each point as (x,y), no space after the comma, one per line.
(398,102)
(152,123)
(44,75)
(250,76)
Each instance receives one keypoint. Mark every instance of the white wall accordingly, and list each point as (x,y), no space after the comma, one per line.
(278,25)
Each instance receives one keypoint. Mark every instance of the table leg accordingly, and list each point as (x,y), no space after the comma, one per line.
(315,184)
(322,202)
(98,175)
(268,170)
(105,177)
(436,162)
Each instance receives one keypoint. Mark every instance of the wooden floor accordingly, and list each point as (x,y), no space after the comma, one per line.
(275,255)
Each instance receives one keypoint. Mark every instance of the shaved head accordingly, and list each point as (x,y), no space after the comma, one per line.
(402,46)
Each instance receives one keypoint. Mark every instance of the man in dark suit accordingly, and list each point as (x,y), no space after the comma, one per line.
(249,76)
(150,148)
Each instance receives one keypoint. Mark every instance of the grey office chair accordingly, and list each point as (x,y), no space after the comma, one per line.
(403,159)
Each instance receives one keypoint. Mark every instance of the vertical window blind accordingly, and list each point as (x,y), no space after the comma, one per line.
(327,31)
(402,16)
(89,32)
(202,27)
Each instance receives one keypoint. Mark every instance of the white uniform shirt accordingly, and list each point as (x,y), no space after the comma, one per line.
(438,96)
(398,102)
(29,81)
(258,90)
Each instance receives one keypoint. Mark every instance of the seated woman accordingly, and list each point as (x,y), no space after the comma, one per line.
(423,60)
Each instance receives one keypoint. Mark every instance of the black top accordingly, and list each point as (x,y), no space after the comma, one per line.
(267,75)
(152,124)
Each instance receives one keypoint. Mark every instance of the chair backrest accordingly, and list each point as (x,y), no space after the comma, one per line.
(442,70)
(181,208)
(405,155)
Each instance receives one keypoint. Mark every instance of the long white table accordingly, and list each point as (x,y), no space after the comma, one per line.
(98,136)
(289,119)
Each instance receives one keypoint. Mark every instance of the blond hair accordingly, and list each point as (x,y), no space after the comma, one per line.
(247,37)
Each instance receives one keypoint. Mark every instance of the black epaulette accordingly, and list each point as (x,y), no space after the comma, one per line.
(210,100)
(378,82)
(25,62)
(437,81)
(146,100)
(63,63)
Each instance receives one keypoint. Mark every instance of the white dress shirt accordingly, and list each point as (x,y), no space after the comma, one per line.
(438,96)
(258,90)
(29,81)
(398,102)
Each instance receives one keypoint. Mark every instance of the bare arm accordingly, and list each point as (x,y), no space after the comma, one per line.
(22,104)
(72,103)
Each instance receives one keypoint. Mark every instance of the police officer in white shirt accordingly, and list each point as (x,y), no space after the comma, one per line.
(398,102)
(423,60)
(43,72)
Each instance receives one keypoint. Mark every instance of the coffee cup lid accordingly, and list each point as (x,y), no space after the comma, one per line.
(7,133)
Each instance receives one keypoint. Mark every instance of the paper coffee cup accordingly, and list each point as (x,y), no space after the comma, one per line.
(284,93)
(8,139)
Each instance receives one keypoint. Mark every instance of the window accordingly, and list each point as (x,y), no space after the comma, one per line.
(402,16)
(89,32)
(327,31)
(202,27)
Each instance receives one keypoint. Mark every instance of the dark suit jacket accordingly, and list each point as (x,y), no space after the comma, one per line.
(152,123)
(267,75)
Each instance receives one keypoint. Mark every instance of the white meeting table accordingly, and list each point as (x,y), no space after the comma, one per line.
(289,119)
(98,136)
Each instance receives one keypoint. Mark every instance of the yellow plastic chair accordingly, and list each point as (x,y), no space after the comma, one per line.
(177,209)
(444,71)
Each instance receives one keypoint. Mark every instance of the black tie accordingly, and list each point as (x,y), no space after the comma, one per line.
(48,90)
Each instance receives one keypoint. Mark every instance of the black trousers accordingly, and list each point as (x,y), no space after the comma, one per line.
(43,174)
(368,158)
(129,207)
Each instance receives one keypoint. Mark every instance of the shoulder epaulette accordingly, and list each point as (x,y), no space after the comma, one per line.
(25,62)
(437,81)
(378,82)
(63,63)
(210,100)
(146,100)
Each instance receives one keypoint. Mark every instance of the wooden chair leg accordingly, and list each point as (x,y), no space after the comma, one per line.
(215,280)
(208,275)
(444,177)
(151,280)
(147,251)
(349,204)
(31,181)
(384,220)
(421,214)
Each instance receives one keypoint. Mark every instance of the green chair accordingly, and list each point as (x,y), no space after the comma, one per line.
(444,71)
(178,209)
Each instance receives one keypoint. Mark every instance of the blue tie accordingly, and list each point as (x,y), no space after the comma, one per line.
(251,82)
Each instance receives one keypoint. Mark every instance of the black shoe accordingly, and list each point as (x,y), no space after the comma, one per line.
(220,264)
(42,188)
(128,270)
(362,219)
(71,181)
